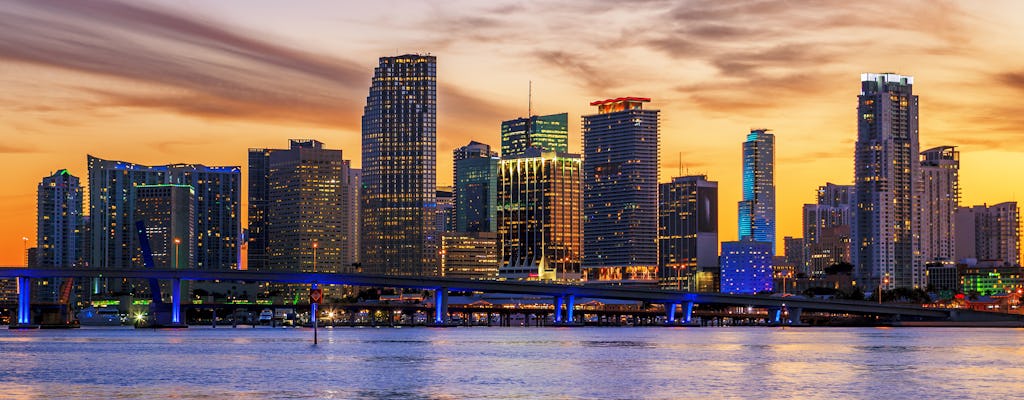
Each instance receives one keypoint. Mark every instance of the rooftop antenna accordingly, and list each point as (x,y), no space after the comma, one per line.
(529,101)
(680,163)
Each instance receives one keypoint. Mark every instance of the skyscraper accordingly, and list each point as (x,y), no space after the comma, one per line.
(309,205)
(687,231)
(168,212)
(546,132)
(540,227)
(887,171)
(112,197)
(939,200)
(444,214)
(476,188)
(59,219)
(826,228)
(757,209)
(989,233)
(620,191)
(399,167)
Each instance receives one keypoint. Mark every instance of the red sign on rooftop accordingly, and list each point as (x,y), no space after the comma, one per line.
(621,99)
(619,104)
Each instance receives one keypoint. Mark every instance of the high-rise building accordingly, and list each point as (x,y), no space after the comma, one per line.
(476,188)
(747,267)
(757,209)
(470,255)
(620,191)
(886,239)
(794,251)
(939,200)
(168,212)
(112,207)
(540,211)
(399,167)
(989,234)
(687,231)
(545,132)
(300,196)
(355,217)
(444,214)
(826,228)
(59,220)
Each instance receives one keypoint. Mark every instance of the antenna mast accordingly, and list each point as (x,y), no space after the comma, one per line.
(529,102)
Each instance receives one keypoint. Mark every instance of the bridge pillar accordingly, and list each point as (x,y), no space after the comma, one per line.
(775,315)
(24,301)
(670,313)
(176,301)
(687,312)
(570,305)
(440,305)
(794,316)
(559,303)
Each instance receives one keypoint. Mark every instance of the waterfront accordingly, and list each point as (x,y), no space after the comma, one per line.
(501,363)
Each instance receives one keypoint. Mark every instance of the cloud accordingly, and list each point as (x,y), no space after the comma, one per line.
(184,63)
(17,149)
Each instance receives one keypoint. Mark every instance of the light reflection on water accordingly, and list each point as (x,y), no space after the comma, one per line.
(513,363)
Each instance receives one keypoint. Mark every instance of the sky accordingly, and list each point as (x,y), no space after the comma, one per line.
(198,81)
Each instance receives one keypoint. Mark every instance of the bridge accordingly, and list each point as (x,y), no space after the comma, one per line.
(563,295)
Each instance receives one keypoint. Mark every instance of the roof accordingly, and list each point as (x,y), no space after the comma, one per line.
(616,100)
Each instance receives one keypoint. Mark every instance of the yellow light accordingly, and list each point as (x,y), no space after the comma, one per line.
(140,317)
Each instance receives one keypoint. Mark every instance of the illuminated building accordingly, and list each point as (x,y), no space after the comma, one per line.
(112,207)
(620,191)
(887,172)
(168,212)
(687,231)
(399,167)
(58,229)
(300,196)
(355,216)
(794,252)
(469,255)
(827,228)
(59,220)
(757,209)
(444,216)
(545,132)
(476,188)
(988,281)
(989,233)
(540,227)
(939,201)
(746,267)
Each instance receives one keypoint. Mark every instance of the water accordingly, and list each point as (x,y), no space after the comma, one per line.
(513,363)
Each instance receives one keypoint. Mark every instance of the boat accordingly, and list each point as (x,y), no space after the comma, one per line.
(99,316)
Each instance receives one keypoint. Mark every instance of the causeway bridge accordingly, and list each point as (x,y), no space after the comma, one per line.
(563,295)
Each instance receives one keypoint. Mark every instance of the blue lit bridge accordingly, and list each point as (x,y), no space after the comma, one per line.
(563,295)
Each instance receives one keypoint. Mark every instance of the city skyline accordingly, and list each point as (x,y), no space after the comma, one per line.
(86,104)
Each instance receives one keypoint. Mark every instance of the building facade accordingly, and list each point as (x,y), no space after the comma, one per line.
(989,234)
(620,191)
(757,209)
(687,231)
(886,237)
(112,199)
(59,221)
(476,188)
(169,215)
(940,198)
(826,228)
(399,128)
(540,212)
(746,267)
(472,255)
(545,132)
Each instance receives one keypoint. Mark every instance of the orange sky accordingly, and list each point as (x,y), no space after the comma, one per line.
(196,81)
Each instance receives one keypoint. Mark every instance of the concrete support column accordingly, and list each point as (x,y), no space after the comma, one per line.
(774,315)
(440,305)
(670,313)
(559,303)
(688,312)
(176,301)
(24,300)
(794,315)
(571,304)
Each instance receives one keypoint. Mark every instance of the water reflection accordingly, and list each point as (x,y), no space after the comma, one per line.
(510,363)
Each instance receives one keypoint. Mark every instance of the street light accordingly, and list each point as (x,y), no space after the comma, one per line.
(882,284)
(177,243)
(315,245)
